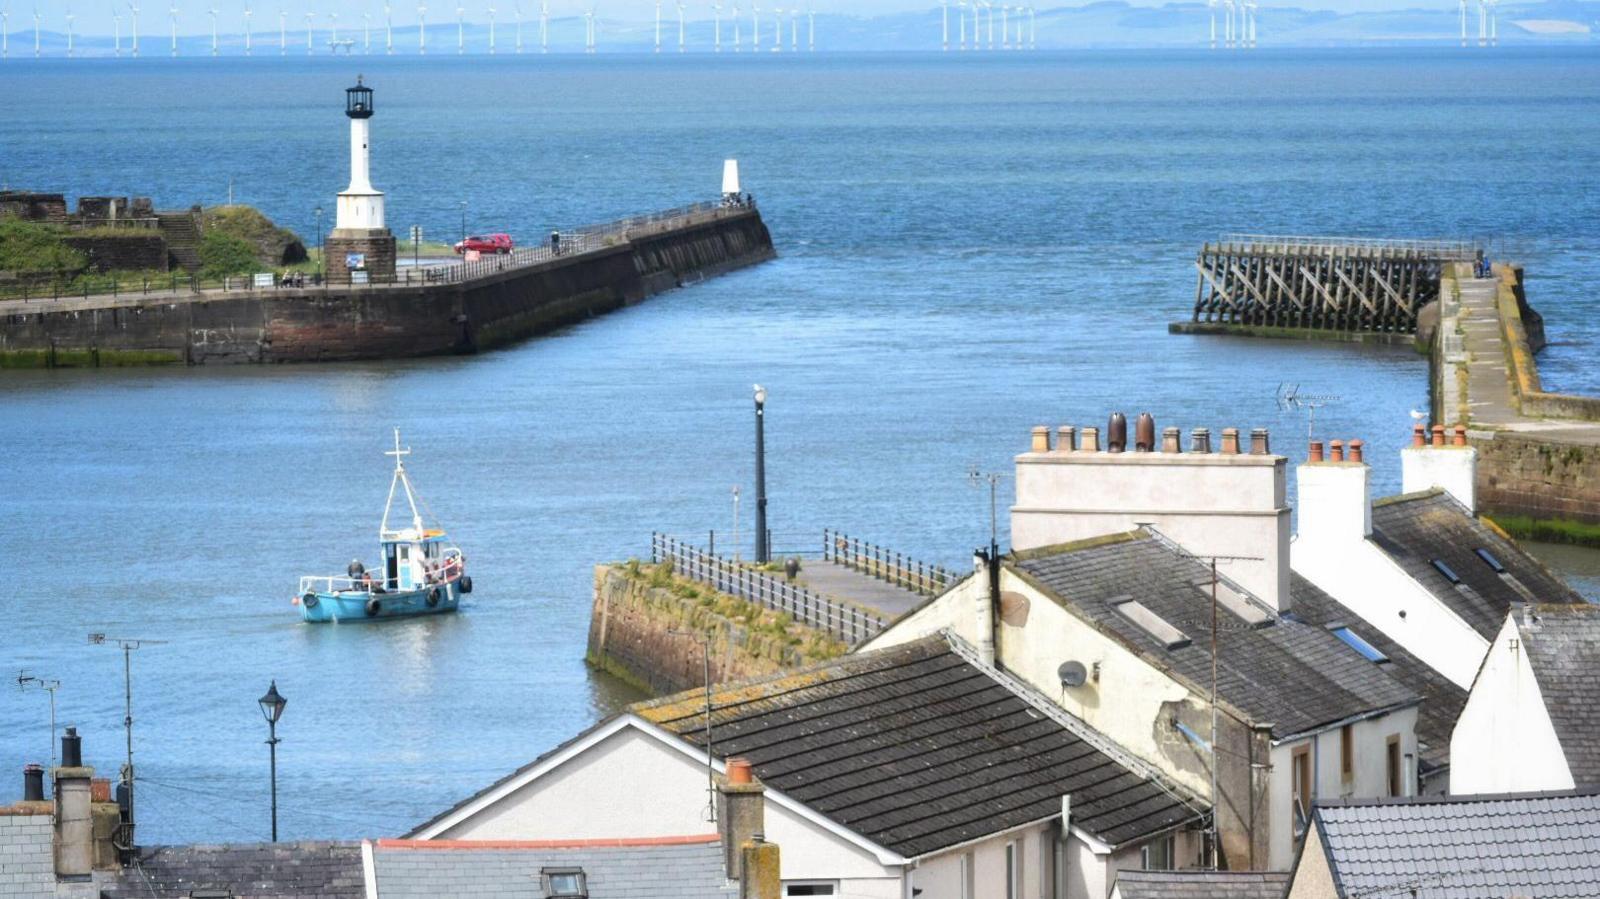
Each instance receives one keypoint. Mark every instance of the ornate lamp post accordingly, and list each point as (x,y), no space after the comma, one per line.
(321,255)
(272,708)
(763,551)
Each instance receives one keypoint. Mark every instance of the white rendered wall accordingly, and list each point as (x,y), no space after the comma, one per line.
(1209,503)
(1504,741)
(1454,468)
(1332,551)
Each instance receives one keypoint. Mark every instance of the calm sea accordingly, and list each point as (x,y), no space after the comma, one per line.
(969,247)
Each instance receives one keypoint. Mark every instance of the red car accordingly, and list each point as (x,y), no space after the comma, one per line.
(486,243)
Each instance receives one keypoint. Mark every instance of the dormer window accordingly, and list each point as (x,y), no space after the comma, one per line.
(564,883)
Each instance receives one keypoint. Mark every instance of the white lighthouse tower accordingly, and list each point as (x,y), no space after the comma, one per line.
(360,242)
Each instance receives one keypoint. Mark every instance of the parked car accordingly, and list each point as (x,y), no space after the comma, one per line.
(486,243)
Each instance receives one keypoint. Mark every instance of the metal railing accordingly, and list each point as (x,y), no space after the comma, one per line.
(575,242)
(846,621)
(884,564)
(1443,248)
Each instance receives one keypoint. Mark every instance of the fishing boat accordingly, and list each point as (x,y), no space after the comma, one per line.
(421,572)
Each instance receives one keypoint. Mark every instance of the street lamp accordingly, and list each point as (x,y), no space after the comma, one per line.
(320,254)
(272,708)
(763,550)
(463,221)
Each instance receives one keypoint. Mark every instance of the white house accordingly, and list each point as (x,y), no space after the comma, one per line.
(1532,721)
(918,770)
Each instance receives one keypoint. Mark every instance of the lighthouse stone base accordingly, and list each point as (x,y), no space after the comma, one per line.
(371,250)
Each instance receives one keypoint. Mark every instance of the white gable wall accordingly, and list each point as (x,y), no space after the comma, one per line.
(1504,741)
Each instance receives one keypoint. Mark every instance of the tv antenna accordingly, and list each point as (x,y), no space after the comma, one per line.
(127,646)
(711,783)
(49,685)
(1291,399)
(978,478)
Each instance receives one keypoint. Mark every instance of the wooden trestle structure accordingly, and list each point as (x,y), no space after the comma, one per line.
(1323,283)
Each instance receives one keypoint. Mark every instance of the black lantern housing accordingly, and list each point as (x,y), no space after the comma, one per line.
(272,704)
(358,101)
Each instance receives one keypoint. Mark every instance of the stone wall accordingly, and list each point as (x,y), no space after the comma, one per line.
(27,859)
(137,251)
(645,628)
(1533,476)
(33,207)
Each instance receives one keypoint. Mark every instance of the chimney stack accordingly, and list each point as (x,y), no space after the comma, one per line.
(74,824)
(1335,500)
(32,784)
(741,813)
(1452,468)
(759,878)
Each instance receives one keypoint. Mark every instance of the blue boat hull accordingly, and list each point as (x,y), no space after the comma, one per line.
(358,605)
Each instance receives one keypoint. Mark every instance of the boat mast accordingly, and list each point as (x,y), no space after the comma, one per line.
(399,480)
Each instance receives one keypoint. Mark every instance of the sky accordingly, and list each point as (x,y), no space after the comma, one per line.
(95,16)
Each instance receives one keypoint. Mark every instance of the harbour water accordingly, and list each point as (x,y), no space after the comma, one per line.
(968,247)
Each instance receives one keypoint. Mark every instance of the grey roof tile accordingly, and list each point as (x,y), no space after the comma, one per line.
(303,870)
(673,871)
(1291,674)
(1414,529)
(917,748)
(1563,647)
(1201,884)
(1472,847)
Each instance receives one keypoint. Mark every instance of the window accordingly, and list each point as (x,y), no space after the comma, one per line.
(1013,870)
(1447,571)
(969,877)
(1355,642)
(1347,753)
(1394,769)
(1158,854)
(564,883)
(1047,863)
(811,888)
(1489,560)
(1300,790)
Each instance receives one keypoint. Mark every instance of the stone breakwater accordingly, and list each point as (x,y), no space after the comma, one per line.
(375,322)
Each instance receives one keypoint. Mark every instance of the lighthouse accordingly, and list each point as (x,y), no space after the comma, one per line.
(361,248)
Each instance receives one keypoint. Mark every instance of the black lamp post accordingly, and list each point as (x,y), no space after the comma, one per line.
(463,221)
(272,708)
(763,548)
(321,261)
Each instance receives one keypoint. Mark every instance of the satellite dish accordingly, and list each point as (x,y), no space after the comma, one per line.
(1072,674)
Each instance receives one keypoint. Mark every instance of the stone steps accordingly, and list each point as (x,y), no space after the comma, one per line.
(182,234)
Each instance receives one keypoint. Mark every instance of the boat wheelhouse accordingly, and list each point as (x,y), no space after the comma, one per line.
(420,571)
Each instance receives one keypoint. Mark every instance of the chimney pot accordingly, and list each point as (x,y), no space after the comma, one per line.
(1200,440)
(740,771)
(71,749)
(1438,435)
(1117,433)
(1144,433)
(32,784)
(1259,444)
(1355,450)
(1090,440)
(1336,450)
(1230,441)
(1041,439)
(1461,435)
(1419,435)
(1171,440)
(1316,452)
(1066,438)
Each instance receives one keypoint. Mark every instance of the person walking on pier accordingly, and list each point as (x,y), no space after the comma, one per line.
(555,242)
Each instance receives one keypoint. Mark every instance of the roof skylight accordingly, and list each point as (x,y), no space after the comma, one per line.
(1355,642)
(1489,560)
(1447,571)
(1152,624)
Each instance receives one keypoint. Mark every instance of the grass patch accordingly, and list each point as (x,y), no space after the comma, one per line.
(1549,530)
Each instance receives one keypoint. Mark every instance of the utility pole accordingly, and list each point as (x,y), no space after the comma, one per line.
(128,646)
(763,554)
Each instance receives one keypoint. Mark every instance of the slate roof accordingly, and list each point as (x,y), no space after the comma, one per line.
(919,747)
(306,870)
(1290,674)
(1416,528)
(1471,847)
(646,869)
(1201,884)
(1442,700)
(1563,647)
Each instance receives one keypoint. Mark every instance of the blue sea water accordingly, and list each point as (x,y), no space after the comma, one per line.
(968,247)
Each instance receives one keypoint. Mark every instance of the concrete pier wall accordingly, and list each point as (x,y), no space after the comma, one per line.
(348,323)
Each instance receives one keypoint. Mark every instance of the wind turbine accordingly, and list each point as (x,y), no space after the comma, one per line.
(116,23)
(544,26)
(588,30)
(36,32)
(681,46)
(794,29)
(1212,6)
(777,33)
(516,9)
(422,30)
(755,33)
(213,12)
(1250,5)
(491,31)
(658,27)
(5,32)
(961,20)
(1227,24)
(716,14)
(1463,5)
(283,32)
(310,17)
(811,29)
(461,30)
(1033,31)
(1005,27)
(173,12)
(944,24)
(1494,24)
(333,40)
(977,28)
(70,17)
(1483,23)
(247,37)
(366,33)
(736,39)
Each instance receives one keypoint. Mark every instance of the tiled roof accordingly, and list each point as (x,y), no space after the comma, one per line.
(1473,847)
(1201,884)
(647,869)
(1563,647)
(307,870)
(1293,675)
(918,748)
(1442,700)
(1416,528)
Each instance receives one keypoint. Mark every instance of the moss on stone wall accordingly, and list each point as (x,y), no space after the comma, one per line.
(1549,530)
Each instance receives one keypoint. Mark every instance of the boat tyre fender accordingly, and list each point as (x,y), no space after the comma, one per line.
(466,584)
(374,606)
(433,597)
(309,600)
